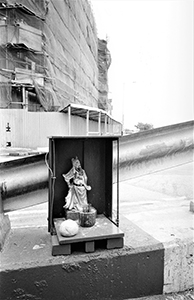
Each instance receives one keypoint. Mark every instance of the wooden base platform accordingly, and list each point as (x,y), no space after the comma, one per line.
(104,232)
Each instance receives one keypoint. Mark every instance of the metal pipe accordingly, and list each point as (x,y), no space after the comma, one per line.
(25,176)
(24,179)
(99,123)
(105,124)
(87,122)
(21,178)
(69,120)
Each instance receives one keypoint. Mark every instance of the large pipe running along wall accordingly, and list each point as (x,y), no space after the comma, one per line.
(147,151)
(22,181)
(137,151)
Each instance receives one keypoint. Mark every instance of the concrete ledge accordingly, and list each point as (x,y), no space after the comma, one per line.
(29,270)
(4,228)
(178,265)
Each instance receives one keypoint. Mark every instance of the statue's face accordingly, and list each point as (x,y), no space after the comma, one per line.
(76,164)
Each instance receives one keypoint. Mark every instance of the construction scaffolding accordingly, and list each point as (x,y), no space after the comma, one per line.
(48,54)
(21,57)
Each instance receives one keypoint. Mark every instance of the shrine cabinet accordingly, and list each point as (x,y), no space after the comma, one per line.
(99,157)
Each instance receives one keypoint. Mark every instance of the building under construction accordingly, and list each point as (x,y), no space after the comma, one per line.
(50,59)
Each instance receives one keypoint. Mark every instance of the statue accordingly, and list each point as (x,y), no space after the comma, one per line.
(76,180)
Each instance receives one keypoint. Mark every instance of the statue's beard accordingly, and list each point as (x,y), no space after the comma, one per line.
(79,169)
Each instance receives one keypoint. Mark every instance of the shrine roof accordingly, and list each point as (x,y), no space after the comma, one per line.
(81,110)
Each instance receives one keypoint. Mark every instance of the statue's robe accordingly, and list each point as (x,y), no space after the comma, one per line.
(77,183)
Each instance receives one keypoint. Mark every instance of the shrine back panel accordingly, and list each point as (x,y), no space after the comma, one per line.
(96,158)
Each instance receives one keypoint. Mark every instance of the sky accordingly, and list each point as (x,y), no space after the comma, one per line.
(151,45)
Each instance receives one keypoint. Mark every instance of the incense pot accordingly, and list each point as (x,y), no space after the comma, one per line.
(87,217)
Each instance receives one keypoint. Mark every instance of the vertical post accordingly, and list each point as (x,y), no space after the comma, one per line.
(69,120)
(23,96)
(117,221)
(105,124)
(99,123)
(1,200)
(108,125)
(87,122)
(50,191)
(123,108)
(52,178)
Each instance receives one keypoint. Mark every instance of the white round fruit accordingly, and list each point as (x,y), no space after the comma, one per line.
(68,228)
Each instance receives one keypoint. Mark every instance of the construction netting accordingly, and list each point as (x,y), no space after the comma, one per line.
(48,54)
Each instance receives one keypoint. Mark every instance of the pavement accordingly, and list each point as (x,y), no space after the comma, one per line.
(159,204)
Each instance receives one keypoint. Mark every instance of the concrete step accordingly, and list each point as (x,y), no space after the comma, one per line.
(133,271)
